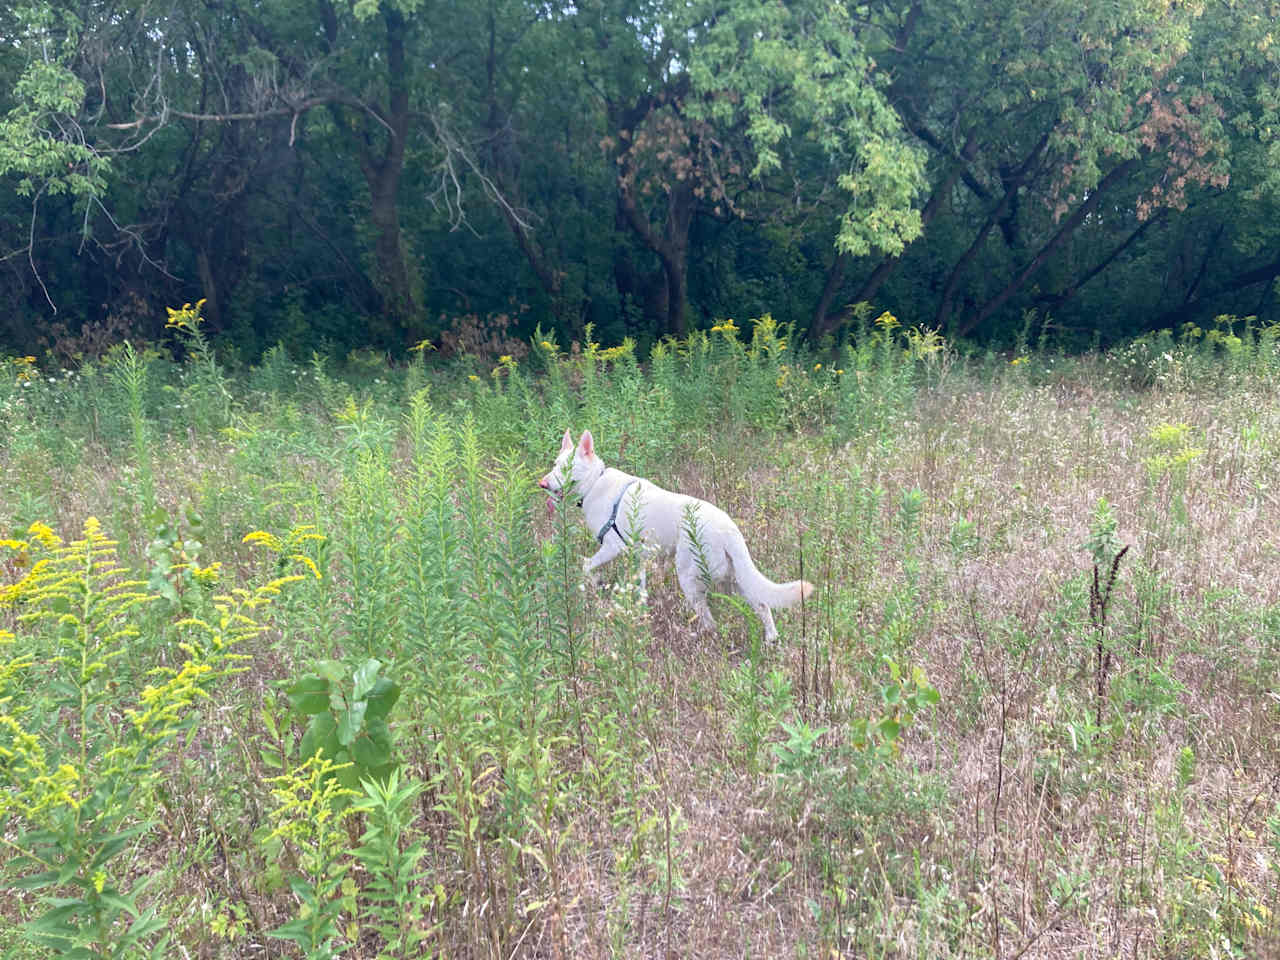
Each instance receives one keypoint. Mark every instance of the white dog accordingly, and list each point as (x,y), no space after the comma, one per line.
(611,500)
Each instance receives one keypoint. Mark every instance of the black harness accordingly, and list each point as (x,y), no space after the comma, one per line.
(612,523)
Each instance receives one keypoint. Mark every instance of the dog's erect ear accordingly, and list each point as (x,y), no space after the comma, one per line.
(566,443)
(586,446)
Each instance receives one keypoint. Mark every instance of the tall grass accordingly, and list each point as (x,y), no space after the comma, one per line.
(982,736)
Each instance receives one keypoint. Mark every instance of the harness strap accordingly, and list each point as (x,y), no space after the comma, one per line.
(612,523)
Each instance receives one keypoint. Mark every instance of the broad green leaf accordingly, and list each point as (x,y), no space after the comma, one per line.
(365,677)
(383,697)
(310,695)
(332,670)
(351,723)
(322,734)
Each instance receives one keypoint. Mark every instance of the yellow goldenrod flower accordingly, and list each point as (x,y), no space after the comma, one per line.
(207,575)
(268,540)
(626,348)
(26,369)
(308,563)
(47,538)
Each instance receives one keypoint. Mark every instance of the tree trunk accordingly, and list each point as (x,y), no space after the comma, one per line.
(382,169)
(209,287)
(972,322)
(675,256)
(672,247)
(943,315)
(393,272)
(823,320)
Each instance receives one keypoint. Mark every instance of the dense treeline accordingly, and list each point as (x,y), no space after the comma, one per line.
(377,172)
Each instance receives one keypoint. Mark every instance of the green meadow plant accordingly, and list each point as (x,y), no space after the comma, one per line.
(903,699)
(311,807)
(1106,551)
(83,741)
(876,378)
(365,533)
(1170,460)
(174,558)
(128,371)
(345,718)
(760,698)
(397,901)
(208,389)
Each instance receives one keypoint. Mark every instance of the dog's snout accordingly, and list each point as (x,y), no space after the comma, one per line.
(543,483)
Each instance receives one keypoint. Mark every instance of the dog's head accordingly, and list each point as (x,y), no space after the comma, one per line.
(574,466)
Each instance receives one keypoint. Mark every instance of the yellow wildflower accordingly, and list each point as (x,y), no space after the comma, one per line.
(207,575)
(624,349)
(268,540)
(26,369)
(473,378)
(817,366)
(308,563)
(46,537)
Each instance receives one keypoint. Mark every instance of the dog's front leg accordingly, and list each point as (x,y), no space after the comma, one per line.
(598,559)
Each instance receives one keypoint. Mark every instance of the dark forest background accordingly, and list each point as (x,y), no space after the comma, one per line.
(330,174)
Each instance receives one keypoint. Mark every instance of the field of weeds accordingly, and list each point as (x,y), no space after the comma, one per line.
(295,661)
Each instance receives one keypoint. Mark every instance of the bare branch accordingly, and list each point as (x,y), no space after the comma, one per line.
(449,189)
(31,246)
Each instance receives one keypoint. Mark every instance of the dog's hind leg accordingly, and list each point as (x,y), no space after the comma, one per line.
(761,608)
(766,617)
(695,591)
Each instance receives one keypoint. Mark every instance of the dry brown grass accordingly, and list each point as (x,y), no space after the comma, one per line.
(1027,466)
(1009,825)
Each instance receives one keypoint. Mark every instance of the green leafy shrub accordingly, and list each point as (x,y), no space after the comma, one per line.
(82,741)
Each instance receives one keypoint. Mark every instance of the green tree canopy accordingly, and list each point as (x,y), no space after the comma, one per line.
(374,170)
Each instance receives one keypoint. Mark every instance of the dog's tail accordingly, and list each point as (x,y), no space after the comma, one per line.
(758,588)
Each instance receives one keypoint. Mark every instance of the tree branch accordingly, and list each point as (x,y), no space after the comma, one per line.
(1068,227)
